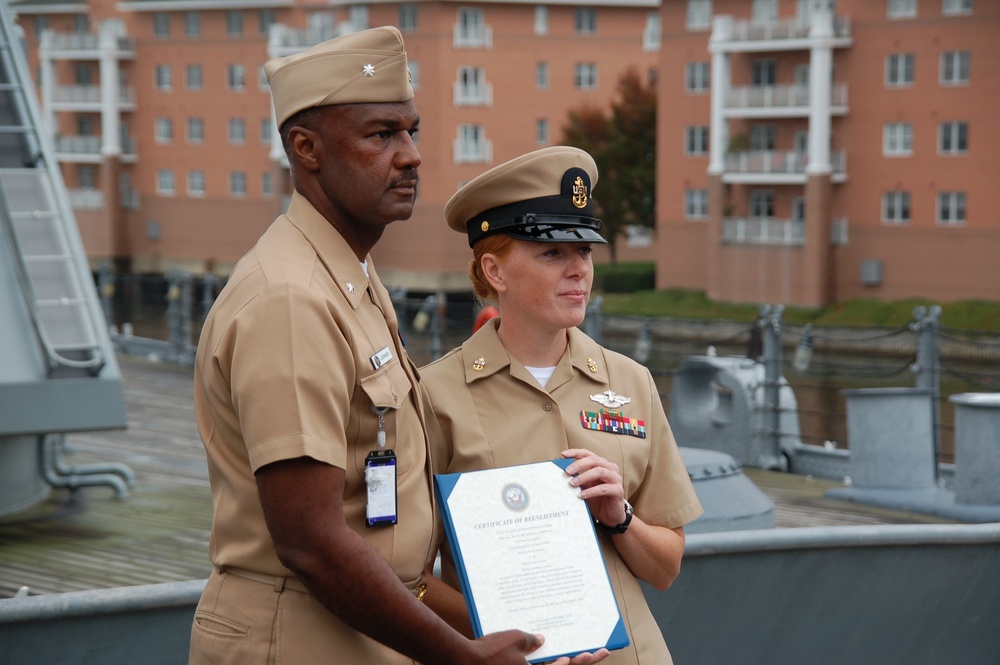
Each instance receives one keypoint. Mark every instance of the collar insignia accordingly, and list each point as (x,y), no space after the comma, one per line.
(350,287)
(592,366)
(610,399)
(479,364)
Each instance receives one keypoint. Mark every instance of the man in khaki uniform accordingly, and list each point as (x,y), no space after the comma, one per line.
(530,386)
(301,376)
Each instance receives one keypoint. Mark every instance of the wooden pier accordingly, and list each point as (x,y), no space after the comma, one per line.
(88,539)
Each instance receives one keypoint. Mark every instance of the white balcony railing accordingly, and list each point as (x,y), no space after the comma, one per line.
(473,95)
(763,231)
(86,198)
(78,145)
(780,97)
(59,42)
(473,153)
(748,31)
(89,94)
(466,37)
(774,162)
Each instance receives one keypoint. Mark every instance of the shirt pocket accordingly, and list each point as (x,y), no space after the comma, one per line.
(387,388)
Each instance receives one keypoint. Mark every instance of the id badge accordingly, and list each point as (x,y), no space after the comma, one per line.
(380,478)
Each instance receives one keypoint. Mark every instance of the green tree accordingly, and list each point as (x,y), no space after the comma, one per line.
(623,143)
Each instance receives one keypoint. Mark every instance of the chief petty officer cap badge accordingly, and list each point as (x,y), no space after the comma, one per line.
(543,196)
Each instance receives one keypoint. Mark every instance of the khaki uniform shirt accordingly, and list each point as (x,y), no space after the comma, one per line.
(284,369)
(494,413)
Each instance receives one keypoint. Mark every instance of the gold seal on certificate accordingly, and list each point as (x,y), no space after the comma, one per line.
(528,557)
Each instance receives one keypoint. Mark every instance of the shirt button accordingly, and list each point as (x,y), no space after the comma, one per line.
(547,406)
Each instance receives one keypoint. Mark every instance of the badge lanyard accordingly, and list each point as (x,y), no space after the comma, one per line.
(380,477)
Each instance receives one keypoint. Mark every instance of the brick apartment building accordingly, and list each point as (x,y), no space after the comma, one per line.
(814,151)
(162,119)
(809,151)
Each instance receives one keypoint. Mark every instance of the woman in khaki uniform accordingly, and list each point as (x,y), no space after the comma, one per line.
(529,386)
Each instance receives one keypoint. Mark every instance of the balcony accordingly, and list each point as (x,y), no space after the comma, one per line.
(777,167)
(763,231)
(467,152)
(85,46)
(86,198)
(472,37)
(473,95)
(88,98)
(782,35)
(779,101)
(87,149)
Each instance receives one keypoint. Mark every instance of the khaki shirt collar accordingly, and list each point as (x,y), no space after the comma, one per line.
(484,355)
(331,248)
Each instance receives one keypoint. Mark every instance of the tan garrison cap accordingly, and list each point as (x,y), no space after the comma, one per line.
(362,67)
(544,196)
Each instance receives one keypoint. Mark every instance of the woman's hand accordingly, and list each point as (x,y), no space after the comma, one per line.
(601,485)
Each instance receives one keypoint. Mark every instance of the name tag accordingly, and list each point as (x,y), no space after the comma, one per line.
(382,357)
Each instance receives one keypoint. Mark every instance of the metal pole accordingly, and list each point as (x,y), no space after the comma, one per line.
(106,284)
(771,322)
(594,319)
(928,367)
(179,315)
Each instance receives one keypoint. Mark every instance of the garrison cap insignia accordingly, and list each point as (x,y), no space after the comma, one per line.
(369,70)
(479,364)
(592,365)
(580,193)
(610,399)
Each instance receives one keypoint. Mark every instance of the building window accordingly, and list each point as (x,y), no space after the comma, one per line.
(651,34)
(898,70)
(586,20)
(234,23)
(357,16)
(162,76)
(541,131)
(762,137)
(541,20)
(695,203)
(161,25)
(164,130)
(761,203)
(266,131)
(955,67)
(236,131)
(196,183)
(896,207)
(585,76)
(267,184)
(763,12)
(897,139)
(696,140)
(41,25)
(195,130)
(471,28)
(192,25)
(235,77)
(265,19)
(901,9)
(951,208)
(954,7)
(237,184)
(81,24)
(87,176)
(84,125)
(471,146)
(408,17)
(83,73)
(414,68)
(165,182)
(763,72)
(699,14)
(953,138)
(696,77)
(192,77)
(542,75)
(799,208)
(471,88)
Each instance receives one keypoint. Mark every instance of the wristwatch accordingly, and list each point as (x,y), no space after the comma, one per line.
(621,528)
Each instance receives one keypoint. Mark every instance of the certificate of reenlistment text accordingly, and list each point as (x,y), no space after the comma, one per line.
(528,557)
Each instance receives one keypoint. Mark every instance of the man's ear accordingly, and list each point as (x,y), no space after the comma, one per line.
(304,143)
(493,272)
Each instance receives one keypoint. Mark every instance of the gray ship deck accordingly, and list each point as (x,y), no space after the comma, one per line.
(90,540)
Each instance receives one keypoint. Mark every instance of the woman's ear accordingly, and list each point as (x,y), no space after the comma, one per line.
(493,272)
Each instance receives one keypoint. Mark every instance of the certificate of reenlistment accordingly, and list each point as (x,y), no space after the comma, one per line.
(528,557)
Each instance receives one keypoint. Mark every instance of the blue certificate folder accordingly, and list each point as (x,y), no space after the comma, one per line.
(552,580)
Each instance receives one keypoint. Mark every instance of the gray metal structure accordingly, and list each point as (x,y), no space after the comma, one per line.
(57,371)
(915,594)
